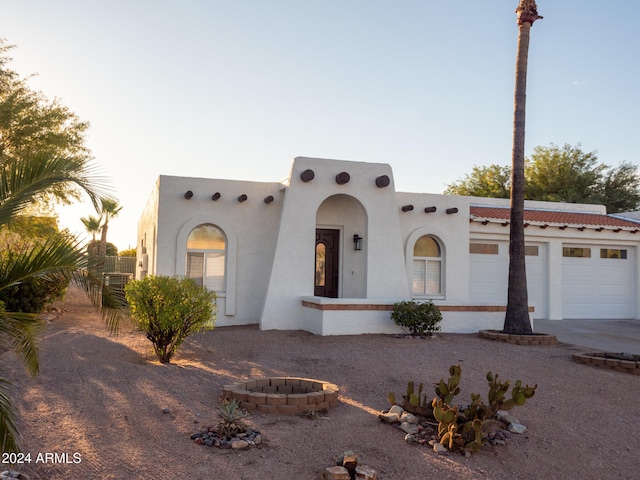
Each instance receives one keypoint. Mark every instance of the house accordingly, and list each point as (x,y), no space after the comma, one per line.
(332,247)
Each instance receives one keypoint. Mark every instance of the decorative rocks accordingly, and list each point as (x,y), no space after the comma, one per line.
(12,475)
(243,440)
(423,431)
(517,428)
(407,427)
(348,468)
(439,448)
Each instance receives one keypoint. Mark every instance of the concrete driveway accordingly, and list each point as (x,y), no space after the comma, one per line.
(608,335)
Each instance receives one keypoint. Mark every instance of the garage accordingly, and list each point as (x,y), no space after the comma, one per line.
(597,281)
(489,273)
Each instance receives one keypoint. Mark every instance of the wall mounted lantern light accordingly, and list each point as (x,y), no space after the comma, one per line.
(357,242)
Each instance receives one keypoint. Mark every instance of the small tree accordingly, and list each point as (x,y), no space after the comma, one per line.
(169,309)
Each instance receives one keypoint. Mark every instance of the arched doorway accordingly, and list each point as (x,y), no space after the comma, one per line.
(340,269)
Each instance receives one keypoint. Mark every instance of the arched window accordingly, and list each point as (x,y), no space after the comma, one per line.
(427,267)
(206,255)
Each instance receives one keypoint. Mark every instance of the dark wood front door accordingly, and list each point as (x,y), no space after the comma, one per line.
(326,271)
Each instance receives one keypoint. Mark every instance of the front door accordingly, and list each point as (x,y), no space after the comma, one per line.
(326,271)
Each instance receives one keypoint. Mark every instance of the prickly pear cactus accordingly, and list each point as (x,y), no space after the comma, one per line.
(446,391)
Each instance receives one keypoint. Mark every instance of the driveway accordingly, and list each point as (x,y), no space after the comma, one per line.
(608,335)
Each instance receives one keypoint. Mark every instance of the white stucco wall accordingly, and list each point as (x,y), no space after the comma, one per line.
(146,248)
(293,266)
(250,228)
(270,247)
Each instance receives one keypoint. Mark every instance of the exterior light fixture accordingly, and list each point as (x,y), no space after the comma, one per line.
(357,242)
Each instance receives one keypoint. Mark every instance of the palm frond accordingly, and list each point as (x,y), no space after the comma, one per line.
(111,303)
(19,332)
(8,430)
(22,179)
(58,254)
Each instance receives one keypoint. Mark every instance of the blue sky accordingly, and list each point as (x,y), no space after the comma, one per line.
(238,88)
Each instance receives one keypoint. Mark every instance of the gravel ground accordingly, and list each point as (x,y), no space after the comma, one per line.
(98,404)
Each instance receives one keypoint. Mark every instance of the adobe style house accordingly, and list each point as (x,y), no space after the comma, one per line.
(332,247)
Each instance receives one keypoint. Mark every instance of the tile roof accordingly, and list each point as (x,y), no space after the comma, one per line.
(552,217)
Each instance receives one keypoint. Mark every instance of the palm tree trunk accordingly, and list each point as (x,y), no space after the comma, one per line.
(517,319)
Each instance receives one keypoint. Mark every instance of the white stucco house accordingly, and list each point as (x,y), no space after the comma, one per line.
(333,246)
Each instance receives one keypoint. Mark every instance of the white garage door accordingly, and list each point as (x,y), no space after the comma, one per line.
(489,274)
(597,282)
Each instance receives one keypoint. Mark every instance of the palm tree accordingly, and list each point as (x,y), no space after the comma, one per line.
(517,316)
(92,224)
(21,180)
(109,209)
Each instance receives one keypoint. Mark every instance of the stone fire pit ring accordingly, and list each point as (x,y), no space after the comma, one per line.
(283,395)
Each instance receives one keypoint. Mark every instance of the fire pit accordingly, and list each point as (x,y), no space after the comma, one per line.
(283,395)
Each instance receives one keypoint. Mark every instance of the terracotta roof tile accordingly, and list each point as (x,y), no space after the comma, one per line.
(553,217)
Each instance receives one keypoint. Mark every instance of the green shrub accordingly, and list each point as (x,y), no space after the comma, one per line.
(169,309)
(419,318)
(33,294)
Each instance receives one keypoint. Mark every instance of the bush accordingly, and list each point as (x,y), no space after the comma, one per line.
(169,309)
(419,318)
(33,294)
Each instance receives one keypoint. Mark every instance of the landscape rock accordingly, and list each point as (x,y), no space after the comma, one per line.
(335,473)
(239,444)
(409,428)
(505,417)
(389,417)
(517,428)
(396,409)
(363,472)
(409,418)
(410,438)
(439,448)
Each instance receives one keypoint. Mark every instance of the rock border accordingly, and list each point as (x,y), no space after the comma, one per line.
(534,339)
(283,395)
(606,360)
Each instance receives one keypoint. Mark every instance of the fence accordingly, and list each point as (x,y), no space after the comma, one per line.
(114,264)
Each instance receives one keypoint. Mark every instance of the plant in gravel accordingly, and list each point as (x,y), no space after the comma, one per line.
(420,318)
(461,428)
(169,309)
(231,419)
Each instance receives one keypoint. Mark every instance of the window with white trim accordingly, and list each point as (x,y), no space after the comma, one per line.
(206,255)
(427,267)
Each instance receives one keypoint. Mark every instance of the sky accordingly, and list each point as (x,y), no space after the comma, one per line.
(237,89)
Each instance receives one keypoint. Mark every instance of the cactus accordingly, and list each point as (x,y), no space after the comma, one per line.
(462,430)
(498,390)
(410,388)
(446,391)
